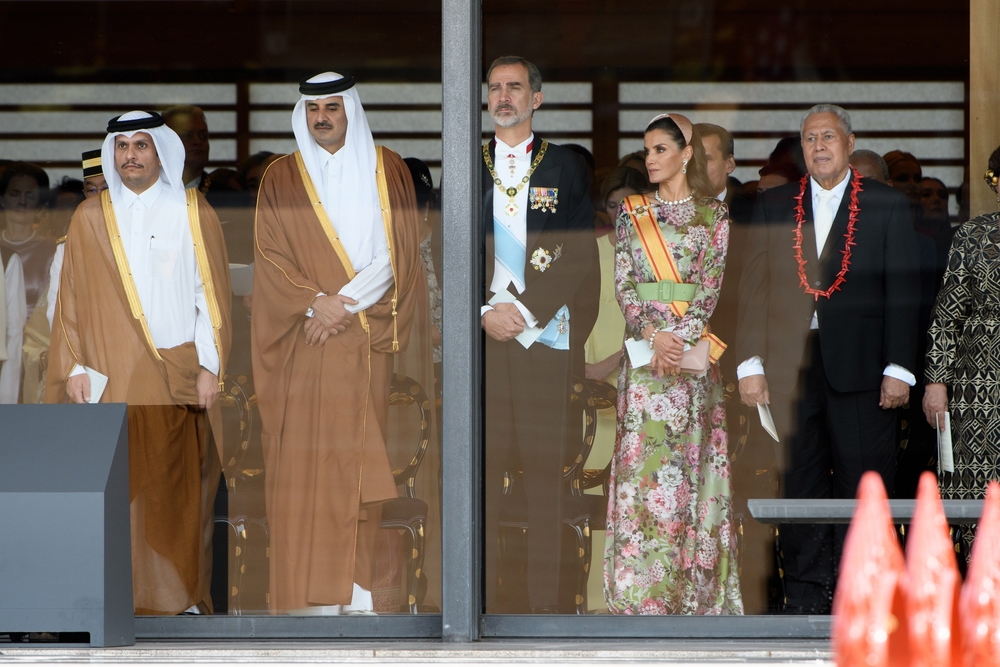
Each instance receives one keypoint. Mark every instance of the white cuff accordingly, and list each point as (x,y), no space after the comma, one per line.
(310,312)
(530,321)
(900,373)
(485,309)
(77,370)
(752,366)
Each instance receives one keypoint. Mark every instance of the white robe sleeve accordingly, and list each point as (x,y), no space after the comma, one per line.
(204,335)
(55,271)
(371,283)
(17,317)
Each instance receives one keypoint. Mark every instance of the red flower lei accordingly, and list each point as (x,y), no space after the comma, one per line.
(845,262)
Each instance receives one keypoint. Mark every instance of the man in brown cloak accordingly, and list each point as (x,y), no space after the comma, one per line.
(143,301)
(336,271)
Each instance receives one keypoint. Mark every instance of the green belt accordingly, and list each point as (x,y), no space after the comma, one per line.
(665,291)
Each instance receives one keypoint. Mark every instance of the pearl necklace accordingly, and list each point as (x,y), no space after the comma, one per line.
(656,193)
(4,235)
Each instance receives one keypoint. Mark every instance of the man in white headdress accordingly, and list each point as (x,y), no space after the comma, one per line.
(143,300)
(337,265)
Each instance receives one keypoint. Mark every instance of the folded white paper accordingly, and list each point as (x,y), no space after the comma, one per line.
(241,276)
(767,421)
(946,454)
(530,334)
(639,352)
(98,382)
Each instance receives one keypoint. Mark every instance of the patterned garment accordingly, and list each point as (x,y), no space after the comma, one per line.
(433,291)
(669,547)
(964,353)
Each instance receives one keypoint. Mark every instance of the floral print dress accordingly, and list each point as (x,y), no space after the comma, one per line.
(669,547)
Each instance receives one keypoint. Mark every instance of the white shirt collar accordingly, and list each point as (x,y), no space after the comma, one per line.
(520,151)
(722,195)
(330,159)
(148,196)
(837,190)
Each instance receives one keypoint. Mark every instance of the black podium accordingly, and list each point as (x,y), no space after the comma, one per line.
(65,547)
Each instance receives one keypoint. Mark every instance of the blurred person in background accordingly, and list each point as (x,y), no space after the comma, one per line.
(188,121)
(905,175)
(789,151)
(636,160)
(603,348)
(871,165)
(252,168)
(773,175)
(13,316)
(22,187)
(934,220)
(63,200)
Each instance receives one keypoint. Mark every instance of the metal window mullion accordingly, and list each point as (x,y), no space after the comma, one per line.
(461,75)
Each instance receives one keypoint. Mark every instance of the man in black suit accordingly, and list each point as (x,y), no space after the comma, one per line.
(828,339)
(540,246)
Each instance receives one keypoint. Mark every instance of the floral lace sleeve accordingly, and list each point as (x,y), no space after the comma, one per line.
(706,273)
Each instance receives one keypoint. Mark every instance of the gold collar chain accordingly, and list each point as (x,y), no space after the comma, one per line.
(511,192)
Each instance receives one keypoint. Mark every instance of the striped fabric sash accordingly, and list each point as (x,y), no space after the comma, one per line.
(660,258)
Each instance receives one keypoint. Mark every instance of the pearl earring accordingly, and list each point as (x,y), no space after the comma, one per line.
(684,167)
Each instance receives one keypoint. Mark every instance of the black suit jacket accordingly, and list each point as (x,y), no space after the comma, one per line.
(571,225)
(870,323)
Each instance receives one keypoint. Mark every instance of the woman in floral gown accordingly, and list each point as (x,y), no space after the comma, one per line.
(669,547)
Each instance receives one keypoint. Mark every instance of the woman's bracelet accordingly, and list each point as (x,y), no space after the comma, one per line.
(652,336)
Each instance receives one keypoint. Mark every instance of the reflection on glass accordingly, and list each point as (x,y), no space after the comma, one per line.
(670,546)
(539,305)
(288,524)
(333,303)
(151,328)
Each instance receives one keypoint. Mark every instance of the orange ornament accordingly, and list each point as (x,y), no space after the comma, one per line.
(980,597)
(869,626)
(933,583)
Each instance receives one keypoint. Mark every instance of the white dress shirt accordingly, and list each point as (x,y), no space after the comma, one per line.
(157,239)
(825,204)
(367,249)
(518,223)
(17,317)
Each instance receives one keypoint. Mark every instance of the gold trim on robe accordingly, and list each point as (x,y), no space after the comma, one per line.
(201,256)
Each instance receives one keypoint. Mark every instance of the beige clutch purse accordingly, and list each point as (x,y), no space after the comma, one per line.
(696,359)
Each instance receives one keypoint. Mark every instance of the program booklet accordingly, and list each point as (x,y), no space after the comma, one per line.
(946,454)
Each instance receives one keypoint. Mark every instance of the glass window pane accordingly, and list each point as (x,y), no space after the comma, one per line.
(303,304)
(612,487)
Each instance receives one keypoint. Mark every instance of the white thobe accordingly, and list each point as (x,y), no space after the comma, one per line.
(157,239)
(365,245)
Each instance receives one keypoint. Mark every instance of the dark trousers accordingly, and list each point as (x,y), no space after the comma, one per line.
(527,422)
(832,439)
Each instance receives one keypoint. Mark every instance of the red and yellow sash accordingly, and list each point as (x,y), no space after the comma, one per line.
(662,261)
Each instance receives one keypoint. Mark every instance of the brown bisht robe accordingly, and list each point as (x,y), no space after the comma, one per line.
(324,409)
(173,467)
